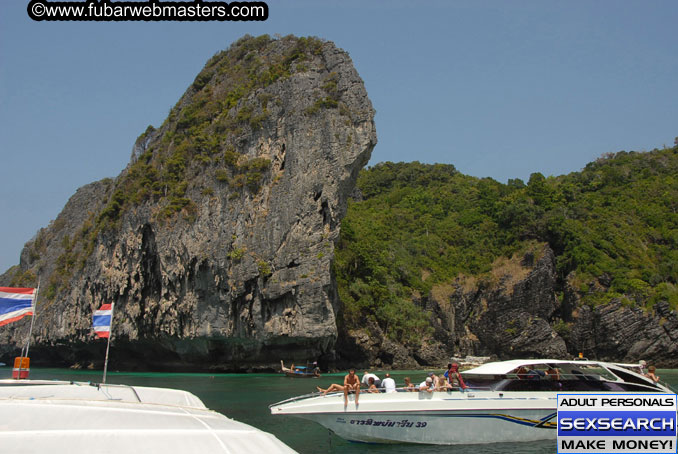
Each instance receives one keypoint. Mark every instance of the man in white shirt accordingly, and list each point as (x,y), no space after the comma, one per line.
(366,379)
(426,385)
(388,384)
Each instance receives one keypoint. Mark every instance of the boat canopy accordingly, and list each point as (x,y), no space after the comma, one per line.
(507,367)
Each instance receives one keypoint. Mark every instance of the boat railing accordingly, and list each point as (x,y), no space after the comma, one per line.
(416,389)
(667,386)
(103,387)
(106,389)
(296,398)
(379,391)
(562,376)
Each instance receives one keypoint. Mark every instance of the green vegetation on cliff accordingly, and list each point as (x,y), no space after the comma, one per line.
(613,227)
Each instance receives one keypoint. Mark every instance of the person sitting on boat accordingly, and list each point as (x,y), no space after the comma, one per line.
(441,383)
(372,388)
(366,377)
(334,387)
(553,373)
(409,386)
(351,383)
(521,372)
(436,381)
(453,376)
(651,374)
(535,374)
(426,385)
(388,384)
(447,372)
(642,365)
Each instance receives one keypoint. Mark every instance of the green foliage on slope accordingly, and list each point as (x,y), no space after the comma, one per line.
(613,227)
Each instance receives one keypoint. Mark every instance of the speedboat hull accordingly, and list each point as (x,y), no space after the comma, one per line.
(508,401)
(444,429)
(444,418)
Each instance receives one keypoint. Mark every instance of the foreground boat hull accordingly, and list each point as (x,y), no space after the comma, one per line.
(80,418)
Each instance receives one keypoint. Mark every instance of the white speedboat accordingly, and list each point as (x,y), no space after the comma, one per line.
(38,416)
(506,401)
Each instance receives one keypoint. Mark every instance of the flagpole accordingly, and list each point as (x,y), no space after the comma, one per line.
(35,311)
(34,303)
(108,344)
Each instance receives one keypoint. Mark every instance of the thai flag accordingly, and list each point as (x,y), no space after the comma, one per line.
(102,320)
(15,303)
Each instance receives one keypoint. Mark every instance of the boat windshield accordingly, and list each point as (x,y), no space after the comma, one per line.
(560,377)
(589,371)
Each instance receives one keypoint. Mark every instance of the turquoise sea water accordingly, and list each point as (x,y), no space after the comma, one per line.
(246,397)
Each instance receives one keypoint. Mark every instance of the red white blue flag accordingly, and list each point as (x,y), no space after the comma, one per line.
(15,303)
(102,320)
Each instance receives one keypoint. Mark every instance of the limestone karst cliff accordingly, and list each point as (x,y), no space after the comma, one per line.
(215,243)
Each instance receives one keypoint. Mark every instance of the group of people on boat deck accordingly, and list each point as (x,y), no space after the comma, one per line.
(444,382)
(433,382)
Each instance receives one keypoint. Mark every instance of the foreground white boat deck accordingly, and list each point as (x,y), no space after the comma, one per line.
(73,418)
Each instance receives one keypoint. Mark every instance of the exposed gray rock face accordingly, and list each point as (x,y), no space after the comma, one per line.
(508,318)
(519,316)
(516,320)
(615,332)
(240,277)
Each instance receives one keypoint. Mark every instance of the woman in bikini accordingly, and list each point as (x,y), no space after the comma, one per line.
(333,388)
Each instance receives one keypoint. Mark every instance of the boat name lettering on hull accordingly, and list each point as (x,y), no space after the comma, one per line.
(387,423)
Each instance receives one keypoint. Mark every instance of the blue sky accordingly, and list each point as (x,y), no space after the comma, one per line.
(499,89)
